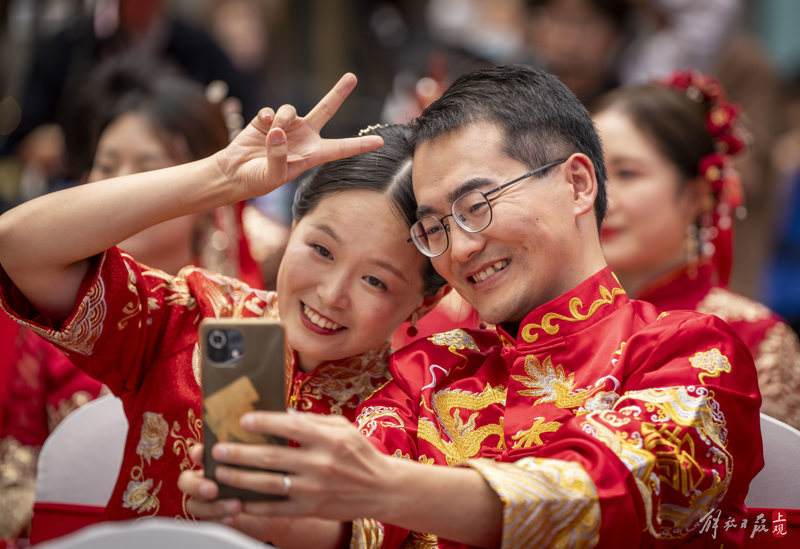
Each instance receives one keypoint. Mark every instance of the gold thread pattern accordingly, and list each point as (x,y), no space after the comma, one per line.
(546,502)
(366,534)
(575,304)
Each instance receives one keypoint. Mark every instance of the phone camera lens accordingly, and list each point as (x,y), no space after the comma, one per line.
(217,339)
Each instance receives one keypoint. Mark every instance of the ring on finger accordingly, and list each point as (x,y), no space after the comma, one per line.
(287,484)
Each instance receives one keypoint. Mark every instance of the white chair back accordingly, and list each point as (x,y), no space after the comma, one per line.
(777,485)
(80,460)
(155,533)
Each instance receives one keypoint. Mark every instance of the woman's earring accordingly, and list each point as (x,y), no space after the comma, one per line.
(412,331)
(692,246)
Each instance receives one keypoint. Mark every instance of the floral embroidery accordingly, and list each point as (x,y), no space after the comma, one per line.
(153,437)
(137,496)
(778,363)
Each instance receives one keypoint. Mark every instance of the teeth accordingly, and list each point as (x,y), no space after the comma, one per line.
(317,320)
(483,275)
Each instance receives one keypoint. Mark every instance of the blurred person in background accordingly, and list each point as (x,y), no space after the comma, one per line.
(668,232)
(60,59)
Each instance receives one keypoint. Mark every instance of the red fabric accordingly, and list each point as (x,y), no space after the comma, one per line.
(136,330)
(8,334)
(774,345)
(52,520)
(441,318)
(612,383)
(249,270)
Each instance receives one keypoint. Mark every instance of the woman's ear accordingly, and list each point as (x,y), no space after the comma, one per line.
(429,302)
(580,174)
(698,195)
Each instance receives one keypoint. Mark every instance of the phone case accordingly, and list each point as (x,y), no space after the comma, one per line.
(242,363)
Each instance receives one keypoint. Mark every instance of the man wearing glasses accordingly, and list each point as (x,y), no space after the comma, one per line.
(585,419)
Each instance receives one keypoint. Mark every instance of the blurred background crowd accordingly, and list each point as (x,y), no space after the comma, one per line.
(253,53)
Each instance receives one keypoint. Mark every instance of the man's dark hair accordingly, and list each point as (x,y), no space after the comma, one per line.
(541,118)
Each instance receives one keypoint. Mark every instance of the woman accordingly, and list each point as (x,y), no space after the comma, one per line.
(131,115)
(667,233)
(348,279)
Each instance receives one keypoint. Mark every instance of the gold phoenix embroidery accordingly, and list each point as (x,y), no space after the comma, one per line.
(607,297)
(550,384)
(465,438)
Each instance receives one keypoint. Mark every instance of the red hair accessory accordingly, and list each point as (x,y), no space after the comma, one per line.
(723,125)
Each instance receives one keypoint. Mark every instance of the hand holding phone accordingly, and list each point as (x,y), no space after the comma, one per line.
(243,369)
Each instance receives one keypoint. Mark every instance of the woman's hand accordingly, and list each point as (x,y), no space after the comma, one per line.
(292,144)
(203,505)
(250,519)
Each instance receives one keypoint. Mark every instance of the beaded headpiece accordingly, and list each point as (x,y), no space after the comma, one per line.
(730,139)
(371,129)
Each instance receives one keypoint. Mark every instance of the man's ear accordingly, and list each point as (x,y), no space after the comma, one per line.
(580,174)
(429,302)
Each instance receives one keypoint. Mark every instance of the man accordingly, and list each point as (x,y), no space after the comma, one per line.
(584,419)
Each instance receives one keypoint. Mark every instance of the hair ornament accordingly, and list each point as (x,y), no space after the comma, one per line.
(730,138)
(371,129)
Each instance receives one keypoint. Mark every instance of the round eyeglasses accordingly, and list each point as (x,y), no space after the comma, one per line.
(472,211)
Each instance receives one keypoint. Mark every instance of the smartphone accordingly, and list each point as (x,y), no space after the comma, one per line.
(242,369)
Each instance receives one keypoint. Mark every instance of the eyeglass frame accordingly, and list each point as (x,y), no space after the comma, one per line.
(488,202)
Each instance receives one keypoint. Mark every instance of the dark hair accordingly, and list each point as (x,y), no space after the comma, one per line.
(386,170)
(175,105)
(674,123)
(541,118)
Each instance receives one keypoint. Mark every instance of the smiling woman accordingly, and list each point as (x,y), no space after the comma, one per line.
(347,282)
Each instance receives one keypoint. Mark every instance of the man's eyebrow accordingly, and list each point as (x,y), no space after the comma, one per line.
(472,184)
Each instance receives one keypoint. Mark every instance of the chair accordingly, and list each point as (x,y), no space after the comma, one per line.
(78,467)
(777,485)
(157,533)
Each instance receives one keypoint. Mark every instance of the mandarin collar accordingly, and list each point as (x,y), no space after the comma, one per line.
(584,305)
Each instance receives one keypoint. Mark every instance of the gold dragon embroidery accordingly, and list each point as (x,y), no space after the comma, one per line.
(458,439)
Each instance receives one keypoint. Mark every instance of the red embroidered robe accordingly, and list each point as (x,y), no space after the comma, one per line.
(135,329)
(603,424)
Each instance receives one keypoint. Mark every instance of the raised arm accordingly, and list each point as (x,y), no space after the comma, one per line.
(45,243)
